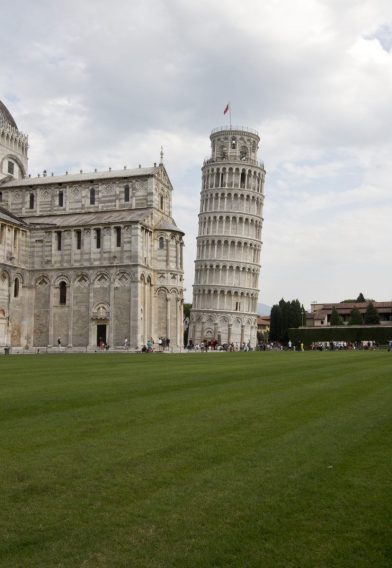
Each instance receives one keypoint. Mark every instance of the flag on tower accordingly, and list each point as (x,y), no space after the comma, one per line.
(227,108)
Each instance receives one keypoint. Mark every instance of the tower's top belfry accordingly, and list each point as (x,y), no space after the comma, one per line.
(227,266)
(235,144)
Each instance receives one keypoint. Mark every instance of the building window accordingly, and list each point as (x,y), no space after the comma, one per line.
(16,288)
(118,236)
(78,237)
(233,143)
(243,153)
(11,168)
(1,196)
(31,201)
(161,201)
(161,243)
(58,240)
(61,199)
(126,193)
(63,293)
(98,238)
(92,196)
(237,306)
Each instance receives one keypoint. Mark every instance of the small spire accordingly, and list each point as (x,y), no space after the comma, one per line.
(161,162)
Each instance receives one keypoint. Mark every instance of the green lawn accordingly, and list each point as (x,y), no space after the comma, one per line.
(232,460)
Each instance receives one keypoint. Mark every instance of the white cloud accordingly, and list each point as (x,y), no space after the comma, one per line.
(98,85)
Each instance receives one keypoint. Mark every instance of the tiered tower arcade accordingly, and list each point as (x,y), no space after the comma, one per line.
(13,147)
(227,267)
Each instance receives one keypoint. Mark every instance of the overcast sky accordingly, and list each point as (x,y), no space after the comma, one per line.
(99,84)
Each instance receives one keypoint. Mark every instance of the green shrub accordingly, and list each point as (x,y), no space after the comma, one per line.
(380,334)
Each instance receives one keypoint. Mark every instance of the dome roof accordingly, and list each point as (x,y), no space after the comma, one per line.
(6,117)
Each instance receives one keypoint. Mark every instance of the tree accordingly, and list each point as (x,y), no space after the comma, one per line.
(275,323)
(295,310)
(361,299)
(335,317)
(285,315)
(187,310)
(355,317)
(371,315)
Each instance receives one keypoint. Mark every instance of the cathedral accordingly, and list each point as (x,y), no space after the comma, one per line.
(86,259)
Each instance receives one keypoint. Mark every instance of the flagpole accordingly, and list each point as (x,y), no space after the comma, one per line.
(228,109)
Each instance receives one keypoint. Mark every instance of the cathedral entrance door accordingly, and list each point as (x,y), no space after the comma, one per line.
(101,334)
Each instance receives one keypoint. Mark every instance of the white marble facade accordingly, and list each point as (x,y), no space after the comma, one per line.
(226,285)
(86,257)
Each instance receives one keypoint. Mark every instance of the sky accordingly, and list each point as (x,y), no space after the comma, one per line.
(99,84)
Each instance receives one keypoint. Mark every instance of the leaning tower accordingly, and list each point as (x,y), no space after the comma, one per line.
(225,290)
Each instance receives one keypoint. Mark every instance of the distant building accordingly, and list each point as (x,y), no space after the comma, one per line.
(227,266)
(263,324)
(320,314)
(86,258)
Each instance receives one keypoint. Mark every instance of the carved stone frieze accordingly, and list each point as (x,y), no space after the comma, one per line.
(82,281)
(101,312)
(101,281)
(122,280)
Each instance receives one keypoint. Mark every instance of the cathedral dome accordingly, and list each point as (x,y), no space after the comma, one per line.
(6,117)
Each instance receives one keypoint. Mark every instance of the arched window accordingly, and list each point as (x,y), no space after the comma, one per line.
(92,196)
(161,243)
(243,153)
(31,201)
(63,293)
(126,193)
(233,143)
(161,201)
(16,288)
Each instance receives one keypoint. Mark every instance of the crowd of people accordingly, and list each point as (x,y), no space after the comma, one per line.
(163,344)
(214,345)
(317,346)
(343,345)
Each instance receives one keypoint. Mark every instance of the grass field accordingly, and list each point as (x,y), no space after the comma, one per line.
(232,460)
